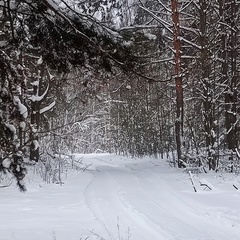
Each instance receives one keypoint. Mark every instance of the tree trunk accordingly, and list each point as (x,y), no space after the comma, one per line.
(231,91)
(208,87)
(178,80)
(34,152)
(35,114)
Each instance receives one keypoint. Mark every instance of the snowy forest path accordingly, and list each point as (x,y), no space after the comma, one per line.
(126,198)
(120,198)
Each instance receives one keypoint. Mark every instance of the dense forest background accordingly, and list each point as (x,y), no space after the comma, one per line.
(138,78)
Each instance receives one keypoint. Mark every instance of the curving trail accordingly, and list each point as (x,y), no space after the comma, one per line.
(144,199)
(118,198)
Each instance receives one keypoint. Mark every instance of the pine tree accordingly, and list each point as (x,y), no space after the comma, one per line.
(40,40)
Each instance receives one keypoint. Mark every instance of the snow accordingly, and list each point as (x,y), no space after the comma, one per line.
(22,125)
(35,83)
(3,43)
(40,61)
(23,110)
(6,163)
(12,128)
(21,107)
(35,144)
(36,98)
(119,198)
(47,108)
(150,36)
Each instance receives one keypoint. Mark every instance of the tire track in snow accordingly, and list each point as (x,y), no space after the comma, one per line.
(91,202)
(186,213)
(153,224)
(111,203)
(171,208)
(143,199)
(140,217)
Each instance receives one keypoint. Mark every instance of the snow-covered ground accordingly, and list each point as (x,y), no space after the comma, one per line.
(119,198)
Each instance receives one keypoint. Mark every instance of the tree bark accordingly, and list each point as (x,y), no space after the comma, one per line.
(231,91)
(208,87)
(178,80)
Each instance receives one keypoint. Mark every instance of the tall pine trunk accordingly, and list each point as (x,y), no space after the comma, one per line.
(207,86)
(178,80)
(231,91)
